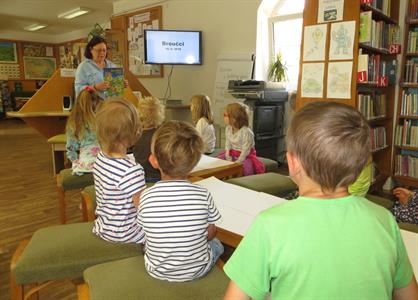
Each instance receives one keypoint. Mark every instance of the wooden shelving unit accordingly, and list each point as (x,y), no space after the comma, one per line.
(405,149)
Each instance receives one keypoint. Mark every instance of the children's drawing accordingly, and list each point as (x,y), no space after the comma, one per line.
(314,42)
(342,40)
(312,80)
(339,80)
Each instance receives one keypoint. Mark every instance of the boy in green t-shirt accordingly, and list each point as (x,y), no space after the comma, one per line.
(326,244)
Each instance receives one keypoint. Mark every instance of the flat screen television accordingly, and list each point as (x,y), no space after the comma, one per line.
(173,47)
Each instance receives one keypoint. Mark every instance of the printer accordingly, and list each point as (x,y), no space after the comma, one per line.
(257,90)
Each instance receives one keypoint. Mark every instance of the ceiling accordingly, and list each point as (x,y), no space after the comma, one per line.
(17,14)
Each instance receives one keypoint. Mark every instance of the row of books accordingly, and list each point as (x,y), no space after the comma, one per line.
(372,106)
(407,134)
(382,5)
(409,104)
(411,71)
(412,41)
(373,69)
(378,138)
(377,34)
(413,9)
(406,165)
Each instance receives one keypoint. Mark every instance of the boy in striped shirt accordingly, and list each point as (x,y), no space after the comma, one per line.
(117,179)
(178,216)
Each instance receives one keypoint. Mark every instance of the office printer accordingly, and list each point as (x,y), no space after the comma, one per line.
(257,90)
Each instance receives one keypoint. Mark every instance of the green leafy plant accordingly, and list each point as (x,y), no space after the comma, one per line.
(278,69)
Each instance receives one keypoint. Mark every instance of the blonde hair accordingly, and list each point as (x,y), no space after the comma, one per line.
(151,112)
(82,115)
(238,114)
(177,146)
(331,141)
(117,123)
(200,108)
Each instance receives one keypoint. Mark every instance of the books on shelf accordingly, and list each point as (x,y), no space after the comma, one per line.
(372,106)
(412,44)
(378,138)
(407,134)
(406,165)
(115,78)
(377,34)
(380,72)
(413,9)
(411,71)
(409,104)
(382,5)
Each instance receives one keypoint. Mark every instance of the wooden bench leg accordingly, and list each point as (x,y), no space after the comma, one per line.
(17,290)
(61,204)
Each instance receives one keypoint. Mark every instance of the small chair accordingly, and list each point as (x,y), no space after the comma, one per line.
(128,279)
(61,252)
(66,181)
(270,183)
(58,146)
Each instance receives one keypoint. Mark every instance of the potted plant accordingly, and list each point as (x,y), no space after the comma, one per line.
(278,69)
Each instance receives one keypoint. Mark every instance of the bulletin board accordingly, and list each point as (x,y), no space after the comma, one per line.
(116,46)
(136,22)
(71,54)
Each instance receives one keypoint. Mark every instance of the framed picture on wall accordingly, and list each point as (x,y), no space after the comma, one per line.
(8,53)
(39,67)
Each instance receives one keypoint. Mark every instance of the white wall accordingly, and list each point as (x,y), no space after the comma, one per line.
(228,26)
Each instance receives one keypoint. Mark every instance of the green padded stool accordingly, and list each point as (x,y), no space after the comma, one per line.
(270,183)
(387,203)
(409,227)
(58,146)
(128,279)
(64,252)
(66,181)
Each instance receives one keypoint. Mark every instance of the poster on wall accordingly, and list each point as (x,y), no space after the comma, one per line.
(39,67)
(330,10)
(314,38)
(312,82)
(8,52)
(342,40)
(339,80)
(71,55)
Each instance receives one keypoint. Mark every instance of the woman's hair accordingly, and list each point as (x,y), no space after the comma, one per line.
(151,112)
(200,107)
(238,114)
(117,123)
(82,115)
(93,42)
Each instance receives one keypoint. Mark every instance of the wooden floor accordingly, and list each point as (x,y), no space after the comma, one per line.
(28,199)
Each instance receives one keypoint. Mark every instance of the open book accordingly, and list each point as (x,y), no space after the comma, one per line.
(117,84)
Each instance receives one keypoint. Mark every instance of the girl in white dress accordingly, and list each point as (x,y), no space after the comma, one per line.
(203,120)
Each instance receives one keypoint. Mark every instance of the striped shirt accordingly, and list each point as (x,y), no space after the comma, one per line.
(116,180)
(175,215)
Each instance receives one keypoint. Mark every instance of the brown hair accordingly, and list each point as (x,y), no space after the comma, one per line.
(93,42)
(82,115)
(117,123)
(177,146)
(151,112)
(200,107)
(238,114)
(331,141)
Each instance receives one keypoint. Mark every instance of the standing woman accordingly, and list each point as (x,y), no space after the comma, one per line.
(90,71)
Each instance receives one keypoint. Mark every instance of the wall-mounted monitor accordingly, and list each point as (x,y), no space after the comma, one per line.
(173,47)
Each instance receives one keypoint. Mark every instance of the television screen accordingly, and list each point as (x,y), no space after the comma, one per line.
(173,47)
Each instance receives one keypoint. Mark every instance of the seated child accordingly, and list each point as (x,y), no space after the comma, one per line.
(203,120)
(327,244)
(82,145)
(406,208)
(151,114)
(239,143)
(118,180)
(178,216)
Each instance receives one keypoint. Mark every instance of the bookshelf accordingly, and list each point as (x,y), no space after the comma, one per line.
(373,76)
(405,150)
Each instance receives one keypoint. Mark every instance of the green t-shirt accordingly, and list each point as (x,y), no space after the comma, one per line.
(346,248)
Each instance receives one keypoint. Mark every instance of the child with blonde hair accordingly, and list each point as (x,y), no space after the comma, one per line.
(326,244)
(239,143)
(203,120)
(117,179)
(82,145)
(151,113)
(177,216)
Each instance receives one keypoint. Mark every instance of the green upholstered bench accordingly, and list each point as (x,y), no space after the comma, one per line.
(270,183)
(66,181)
(409,227)
(64,252)
(128,279)
(387,203)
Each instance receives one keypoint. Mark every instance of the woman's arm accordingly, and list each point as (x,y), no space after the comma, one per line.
(404,195)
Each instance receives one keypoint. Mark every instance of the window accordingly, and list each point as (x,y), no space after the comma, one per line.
(286,33)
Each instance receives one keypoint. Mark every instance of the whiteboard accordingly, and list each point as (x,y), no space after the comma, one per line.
(229,67)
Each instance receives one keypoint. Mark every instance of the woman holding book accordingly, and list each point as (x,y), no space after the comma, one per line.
(90,71)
